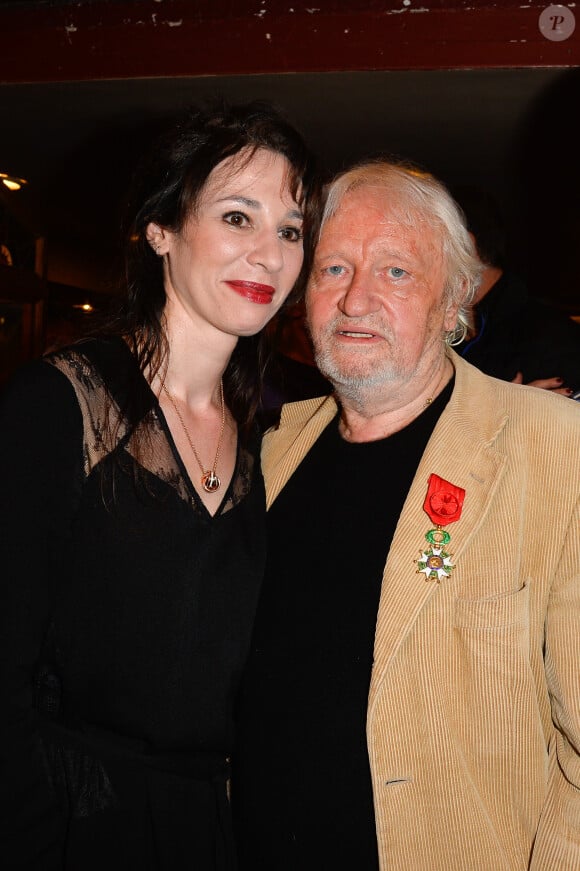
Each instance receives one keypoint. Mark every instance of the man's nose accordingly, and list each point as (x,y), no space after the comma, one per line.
(360,297)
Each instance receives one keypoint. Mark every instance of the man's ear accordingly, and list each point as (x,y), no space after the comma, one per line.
(450,321)
(450,318)
(157,238)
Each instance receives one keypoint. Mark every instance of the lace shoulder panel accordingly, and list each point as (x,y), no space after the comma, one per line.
(103,426)
(147,442)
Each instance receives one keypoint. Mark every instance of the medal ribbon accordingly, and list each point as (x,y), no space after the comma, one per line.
(444,501)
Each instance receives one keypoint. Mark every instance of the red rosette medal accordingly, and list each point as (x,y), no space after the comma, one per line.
(443,503)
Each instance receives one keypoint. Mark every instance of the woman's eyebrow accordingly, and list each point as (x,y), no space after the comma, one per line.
(243,201)
(255,204)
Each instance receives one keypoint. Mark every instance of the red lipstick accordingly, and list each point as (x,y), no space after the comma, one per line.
(252,291)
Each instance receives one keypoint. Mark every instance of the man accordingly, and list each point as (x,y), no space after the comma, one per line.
(515,337)
(412,699)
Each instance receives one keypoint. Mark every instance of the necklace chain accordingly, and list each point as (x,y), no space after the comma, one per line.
(209,479)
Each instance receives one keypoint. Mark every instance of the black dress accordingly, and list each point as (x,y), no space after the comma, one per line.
(125,616)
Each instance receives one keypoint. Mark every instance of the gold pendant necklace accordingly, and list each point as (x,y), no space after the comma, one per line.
(209,479)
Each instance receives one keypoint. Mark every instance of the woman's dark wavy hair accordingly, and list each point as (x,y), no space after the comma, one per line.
(166,190)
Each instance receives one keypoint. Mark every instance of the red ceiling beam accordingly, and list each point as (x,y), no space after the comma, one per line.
(152,38)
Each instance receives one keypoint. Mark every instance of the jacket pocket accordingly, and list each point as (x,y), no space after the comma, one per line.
(495,612)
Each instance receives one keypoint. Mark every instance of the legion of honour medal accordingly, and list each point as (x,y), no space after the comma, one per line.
(443,504)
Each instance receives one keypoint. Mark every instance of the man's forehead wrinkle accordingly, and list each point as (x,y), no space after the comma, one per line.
(385,212)
(359,246)
(366,223)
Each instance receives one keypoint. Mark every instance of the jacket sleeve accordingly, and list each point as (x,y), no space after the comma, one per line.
(557,843)
(40,473)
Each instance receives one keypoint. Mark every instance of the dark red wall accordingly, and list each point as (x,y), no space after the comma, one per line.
(109,39)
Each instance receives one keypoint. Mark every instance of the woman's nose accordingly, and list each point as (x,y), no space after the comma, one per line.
(267,252)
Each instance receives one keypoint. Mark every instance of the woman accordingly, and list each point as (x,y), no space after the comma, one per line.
(132,515)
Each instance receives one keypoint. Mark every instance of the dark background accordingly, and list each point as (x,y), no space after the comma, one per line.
(473,92)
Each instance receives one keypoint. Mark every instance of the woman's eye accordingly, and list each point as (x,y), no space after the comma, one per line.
(236,219)
(397,272)
(291,234)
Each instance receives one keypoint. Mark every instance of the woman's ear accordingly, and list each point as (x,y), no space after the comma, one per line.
(157,238)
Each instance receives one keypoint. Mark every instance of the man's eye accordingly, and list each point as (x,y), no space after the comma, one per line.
(397,272)
(291,234)
(236,219)
(334,270)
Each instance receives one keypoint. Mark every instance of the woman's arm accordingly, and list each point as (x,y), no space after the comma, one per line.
(41,437)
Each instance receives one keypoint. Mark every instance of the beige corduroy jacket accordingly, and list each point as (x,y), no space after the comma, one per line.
(473,723)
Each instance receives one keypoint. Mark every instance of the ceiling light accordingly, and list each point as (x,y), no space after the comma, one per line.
(11,181)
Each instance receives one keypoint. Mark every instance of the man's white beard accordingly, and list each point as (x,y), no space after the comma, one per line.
(356,378)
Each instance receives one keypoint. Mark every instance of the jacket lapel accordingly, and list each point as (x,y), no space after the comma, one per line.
(461,450)
(283,449)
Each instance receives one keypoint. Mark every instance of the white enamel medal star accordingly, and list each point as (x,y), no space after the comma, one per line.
(435,564)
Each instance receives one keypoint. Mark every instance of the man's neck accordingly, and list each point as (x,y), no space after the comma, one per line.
(373,419)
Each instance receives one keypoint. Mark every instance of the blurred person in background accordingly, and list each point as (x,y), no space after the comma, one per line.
(515,336)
